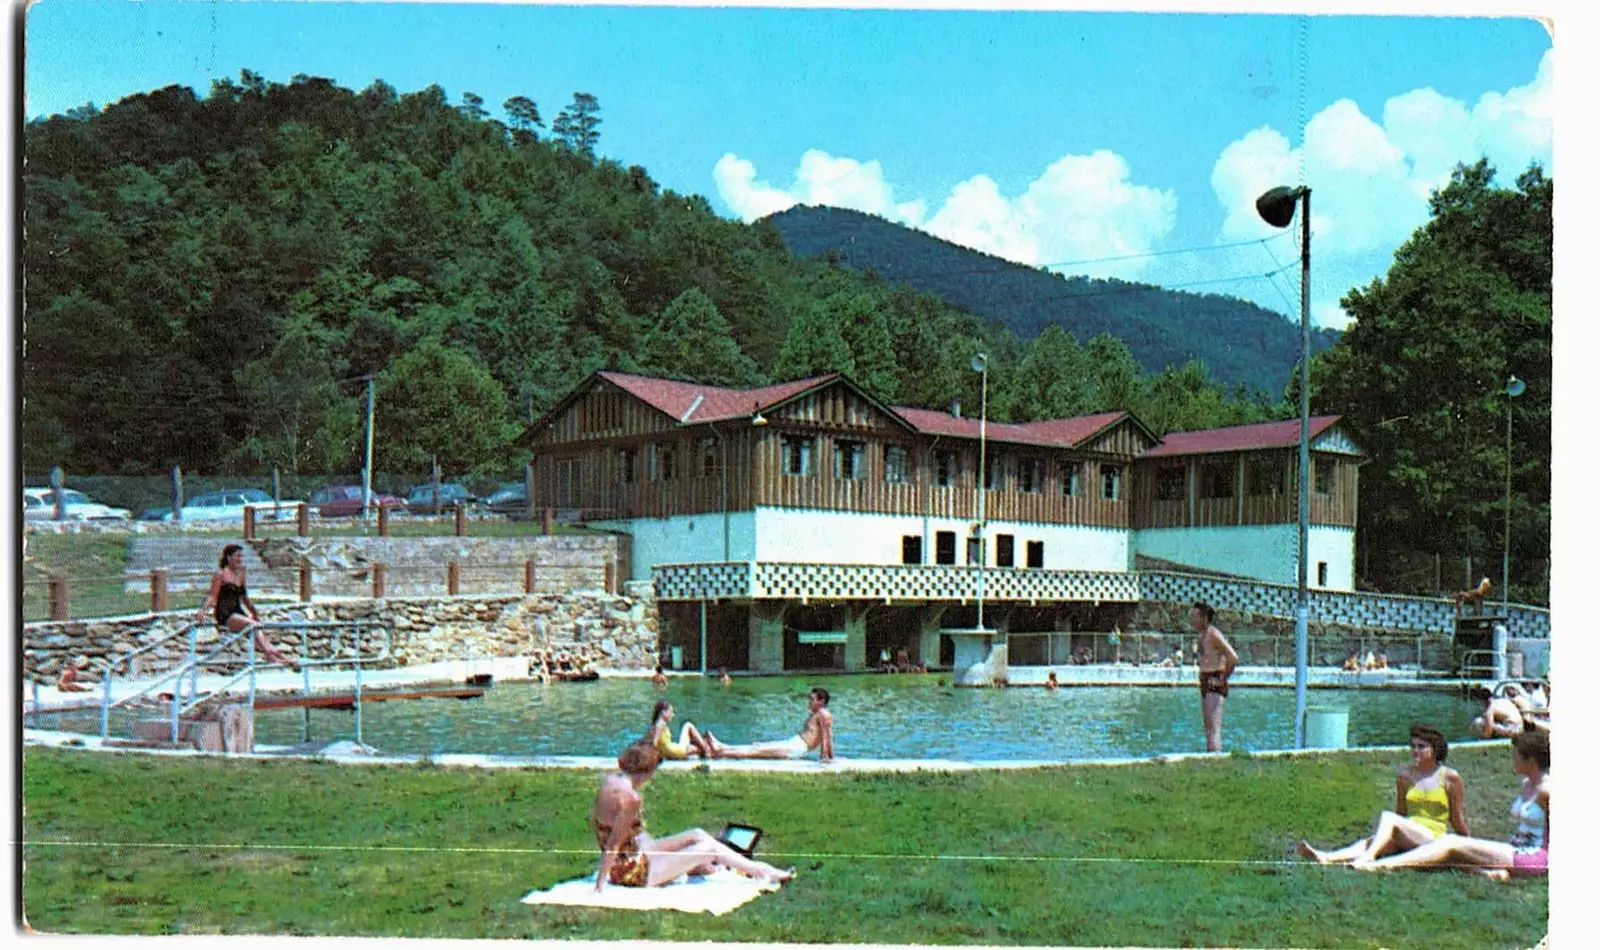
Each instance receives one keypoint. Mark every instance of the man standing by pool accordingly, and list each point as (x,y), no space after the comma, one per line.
(816,734)
(1217,660)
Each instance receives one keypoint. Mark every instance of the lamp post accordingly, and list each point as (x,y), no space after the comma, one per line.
(1514,388)
(1277,208)
(980,364)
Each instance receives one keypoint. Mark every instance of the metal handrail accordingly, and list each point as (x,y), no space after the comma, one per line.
(112,664)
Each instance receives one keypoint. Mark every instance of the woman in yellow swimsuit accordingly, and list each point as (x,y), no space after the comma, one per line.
(690,741)
(629,857)
(1430,800)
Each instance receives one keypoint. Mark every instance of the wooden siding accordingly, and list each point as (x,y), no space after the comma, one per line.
(1242,507)
(1123,441)
(604,412)
(837,407)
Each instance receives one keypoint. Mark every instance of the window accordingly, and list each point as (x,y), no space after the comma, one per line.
(796,455)
(1111,482)
(1030,475)
(1171,482)
(1036,554)
(1265,477)
(1071,479)
(944,547)
(1322,573)
(944,473)
(975,551)
(894,464)
(1005,550)
(663,462)
(1216,480)
(994,474)
(1322,472)
(710,458)
(911,549)
(628,460)
(847,457)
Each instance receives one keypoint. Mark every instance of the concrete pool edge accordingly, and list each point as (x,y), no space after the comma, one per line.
(345,752)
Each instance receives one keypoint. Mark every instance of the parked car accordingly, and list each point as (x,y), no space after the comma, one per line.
(229,505)
(344,501)
(509,499)
(421,497)
(39,504)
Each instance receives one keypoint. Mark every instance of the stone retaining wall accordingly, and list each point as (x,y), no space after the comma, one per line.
(618,631)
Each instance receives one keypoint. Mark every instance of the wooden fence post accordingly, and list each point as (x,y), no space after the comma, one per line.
(249,523)
(305,583)
(461,520)
(303,519)
(549,521)
(453,578)
(383,520)
(528,578)
(379,580)
(611,577)
(58,597)
(158,590)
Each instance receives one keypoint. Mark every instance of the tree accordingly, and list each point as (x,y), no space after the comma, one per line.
(578,125)
(524,116)
(692,340)
(472,107)
(1419,378)
(1054,380)
(436,402)
(813,347)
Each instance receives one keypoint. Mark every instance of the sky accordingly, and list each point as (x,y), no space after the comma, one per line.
(1107,144)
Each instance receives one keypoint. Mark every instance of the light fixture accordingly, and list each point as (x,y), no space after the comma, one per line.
(1514,388)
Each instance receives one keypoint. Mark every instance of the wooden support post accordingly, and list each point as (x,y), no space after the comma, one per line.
(461,520)
(303,519)
(549,521)
(58,597)
(528,578)
(305,583)
(249,523)
(453,578)
(380,577)
(383,520)
(611,577)
(158,590)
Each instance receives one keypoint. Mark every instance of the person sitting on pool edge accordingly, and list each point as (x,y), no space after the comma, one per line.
(629,857)
(817,734)
(1501,718)
(660,735)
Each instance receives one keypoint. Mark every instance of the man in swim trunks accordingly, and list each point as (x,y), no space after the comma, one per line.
(817,734)
(1217,660)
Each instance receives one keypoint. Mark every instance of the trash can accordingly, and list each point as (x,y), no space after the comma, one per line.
(1327,728)
(676,653)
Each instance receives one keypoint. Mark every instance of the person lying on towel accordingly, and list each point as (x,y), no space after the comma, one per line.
(816,734)
(629,857)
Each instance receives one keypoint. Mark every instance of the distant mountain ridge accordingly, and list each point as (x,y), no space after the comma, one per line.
(1239,342)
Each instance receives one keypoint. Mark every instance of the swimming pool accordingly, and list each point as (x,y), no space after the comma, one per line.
(876,717)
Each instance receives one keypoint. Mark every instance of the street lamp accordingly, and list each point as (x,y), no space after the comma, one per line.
(1514,388)
(1277,208)
(980,364)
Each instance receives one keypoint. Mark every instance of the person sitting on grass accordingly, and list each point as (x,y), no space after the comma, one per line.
(817,733)
(1528,850)
(68,681)
(689,738)
(629,857)
(1429,801)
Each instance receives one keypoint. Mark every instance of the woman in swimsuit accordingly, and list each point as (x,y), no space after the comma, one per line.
(689,739)
(629,857)
(234,611)
(1429,801)
(1528,850)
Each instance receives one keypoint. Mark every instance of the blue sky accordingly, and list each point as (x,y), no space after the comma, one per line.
(1044,137)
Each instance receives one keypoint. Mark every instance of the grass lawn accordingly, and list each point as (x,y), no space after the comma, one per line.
(1176,854)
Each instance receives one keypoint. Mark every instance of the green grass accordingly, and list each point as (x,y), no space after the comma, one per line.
(1177,854)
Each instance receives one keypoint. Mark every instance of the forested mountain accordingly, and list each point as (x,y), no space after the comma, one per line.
(1238,342)
(209,279)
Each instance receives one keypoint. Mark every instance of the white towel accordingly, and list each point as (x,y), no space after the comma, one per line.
(716,893)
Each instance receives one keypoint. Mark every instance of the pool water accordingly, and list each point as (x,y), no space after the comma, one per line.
(875,717)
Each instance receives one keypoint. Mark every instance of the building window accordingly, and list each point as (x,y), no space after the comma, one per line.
(1071,479)
(1111,482)
(975,551)
(1216,480)
(994,474)
(1036,554)
(796,455)
(1266,478)
(1322,573)
(1030,475)
(1005,550)
(1322,472)
(628,460)
(710,458)
(847,459)
(944,547)
(1171,481)
(945,470)
(894,464)
(911,549)
(663,463)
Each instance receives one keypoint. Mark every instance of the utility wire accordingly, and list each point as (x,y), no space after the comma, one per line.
(1012,265)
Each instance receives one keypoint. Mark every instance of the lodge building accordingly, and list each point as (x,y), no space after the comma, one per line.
(809,525)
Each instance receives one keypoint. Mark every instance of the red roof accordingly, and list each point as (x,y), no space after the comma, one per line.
(716,402)
(1262,435)
(1053,432)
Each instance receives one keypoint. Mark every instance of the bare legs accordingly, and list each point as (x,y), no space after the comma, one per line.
(238,622)
(1490,858)
(722,750)
(693,737)
(695,852)
(1211,713)
(1394,833)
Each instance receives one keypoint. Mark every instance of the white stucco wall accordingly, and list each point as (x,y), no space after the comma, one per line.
(1264,552)
(686,539)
